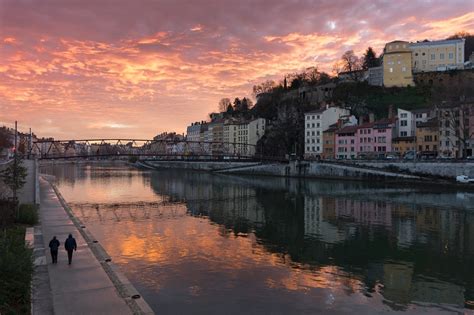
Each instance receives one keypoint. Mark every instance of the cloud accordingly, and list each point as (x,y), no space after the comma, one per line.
(139,69)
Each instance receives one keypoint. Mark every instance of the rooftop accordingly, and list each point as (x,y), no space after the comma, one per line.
(438,42)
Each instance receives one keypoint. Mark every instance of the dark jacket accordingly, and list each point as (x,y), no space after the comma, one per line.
(70,244)
(54,244)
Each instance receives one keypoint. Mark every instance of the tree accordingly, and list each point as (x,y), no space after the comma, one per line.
(5,138)
(370,59)
(14,176)
(246,104)
(454,128)
(237,104)
(350,62)
(265,87)
(224,104)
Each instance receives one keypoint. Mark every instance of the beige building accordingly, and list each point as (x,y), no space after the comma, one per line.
(438,55)
(397,63)
(242,137)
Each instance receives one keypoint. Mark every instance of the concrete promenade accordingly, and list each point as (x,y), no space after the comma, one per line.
(80,288)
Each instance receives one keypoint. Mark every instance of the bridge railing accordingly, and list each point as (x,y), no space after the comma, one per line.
(159,149)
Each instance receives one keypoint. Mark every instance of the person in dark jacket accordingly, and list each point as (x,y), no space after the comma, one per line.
(54,246)
(70,245)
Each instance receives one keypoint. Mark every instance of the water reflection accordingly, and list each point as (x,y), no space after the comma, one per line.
(201,243)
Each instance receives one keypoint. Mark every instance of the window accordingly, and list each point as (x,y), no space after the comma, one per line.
(427,148)
(403,123)
(403,133)
(451,56)
(312,133)
(307,125)
(307,149)
(312,117)
(313,149)
(312,140)
(447,143)
(433,57)
(416,54)
(403,115)
(312,125)
(317,117)
(404,69)
(448,133)
(390,69)
(441,56)
(318,133)
(317,148)
(318,125)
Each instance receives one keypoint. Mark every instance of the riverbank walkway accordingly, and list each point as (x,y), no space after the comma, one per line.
(80,288)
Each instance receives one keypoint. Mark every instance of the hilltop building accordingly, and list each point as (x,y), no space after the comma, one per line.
(397,63)
(438,55)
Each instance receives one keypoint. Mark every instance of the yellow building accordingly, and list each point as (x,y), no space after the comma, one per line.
(329,142)
(427,137)
(401,145)
(397,63)
(438,55)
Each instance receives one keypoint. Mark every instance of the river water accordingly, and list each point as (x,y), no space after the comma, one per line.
(196,243)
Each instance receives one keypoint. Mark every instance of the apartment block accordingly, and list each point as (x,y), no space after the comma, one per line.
(316,122)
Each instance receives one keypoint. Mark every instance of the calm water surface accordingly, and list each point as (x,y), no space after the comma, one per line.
(220,244)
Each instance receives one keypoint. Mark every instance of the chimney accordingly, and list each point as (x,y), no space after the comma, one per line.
(390,111)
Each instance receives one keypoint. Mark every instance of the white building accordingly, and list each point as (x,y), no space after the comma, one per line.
(408,120)
(438,55)
(316,122)
(242,137)
(406,126)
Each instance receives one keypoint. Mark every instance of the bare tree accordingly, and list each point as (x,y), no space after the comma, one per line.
(455,128)
(265,87)
(224,104)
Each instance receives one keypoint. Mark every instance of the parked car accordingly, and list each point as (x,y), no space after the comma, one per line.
(464,179)
(409,155)
(470,157)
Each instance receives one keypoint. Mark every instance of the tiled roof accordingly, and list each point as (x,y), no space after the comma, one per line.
(347,129)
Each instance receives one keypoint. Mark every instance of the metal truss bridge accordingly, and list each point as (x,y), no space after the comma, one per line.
(143,149)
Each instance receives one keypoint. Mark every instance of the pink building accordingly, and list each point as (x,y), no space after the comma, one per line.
(346,143)
(375,139)
(367,140)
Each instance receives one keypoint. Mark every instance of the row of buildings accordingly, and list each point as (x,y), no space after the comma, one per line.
(402,59)
(332,133)
(225,136)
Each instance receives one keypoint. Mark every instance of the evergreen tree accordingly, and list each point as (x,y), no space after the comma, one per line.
(370,59)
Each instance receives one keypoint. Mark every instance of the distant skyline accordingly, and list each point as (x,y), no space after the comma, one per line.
(116,68)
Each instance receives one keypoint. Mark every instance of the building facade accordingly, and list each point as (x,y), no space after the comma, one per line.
(401,145)
(406,126)
(397,63)
(329,142)
(427,138)
(346,143)
(438,55)
(376,76)
(316,122)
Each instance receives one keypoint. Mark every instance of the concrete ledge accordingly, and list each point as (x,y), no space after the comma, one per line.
(126,290)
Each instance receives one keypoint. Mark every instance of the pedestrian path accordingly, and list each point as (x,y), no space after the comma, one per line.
(82,287)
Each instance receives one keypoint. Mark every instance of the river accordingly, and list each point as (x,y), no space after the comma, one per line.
(198,243)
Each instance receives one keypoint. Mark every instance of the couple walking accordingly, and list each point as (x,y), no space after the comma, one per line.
(70,245)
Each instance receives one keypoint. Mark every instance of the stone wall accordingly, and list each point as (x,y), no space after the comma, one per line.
(440,169)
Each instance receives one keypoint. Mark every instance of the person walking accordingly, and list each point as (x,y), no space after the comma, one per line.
(70,245)
(54,246)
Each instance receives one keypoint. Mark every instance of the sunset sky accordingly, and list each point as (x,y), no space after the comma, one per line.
(123,68)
